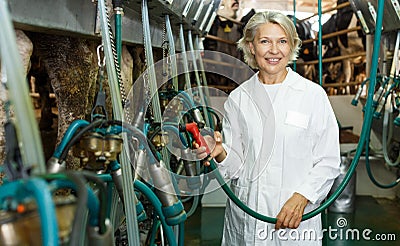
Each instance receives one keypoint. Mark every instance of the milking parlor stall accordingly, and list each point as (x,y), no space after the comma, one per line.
(105,103)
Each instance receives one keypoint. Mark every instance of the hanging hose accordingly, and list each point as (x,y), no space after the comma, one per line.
(363,139)
(385,141)
(184,57)
(206,99)
(154,229)
(60,180)
(198,82)
(368,167)
(31,146)
(118,13)
(116,86)
(181,238)
(68,135)
(157,207)
(80,215)
(47,211)
(172,56)
(102,198)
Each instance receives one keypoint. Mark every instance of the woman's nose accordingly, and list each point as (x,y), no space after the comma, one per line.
(274,48)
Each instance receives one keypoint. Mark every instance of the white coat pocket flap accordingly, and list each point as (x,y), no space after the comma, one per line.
(297,119)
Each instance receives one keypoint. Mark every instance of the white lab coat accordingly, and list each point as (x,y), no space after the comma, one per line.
(274,150)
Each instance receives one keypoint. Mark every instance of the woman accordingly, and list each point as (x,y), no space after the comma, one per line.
(281,141)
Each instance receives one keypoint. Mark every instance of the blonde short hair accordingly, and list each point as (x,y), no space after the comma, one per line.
(268,17)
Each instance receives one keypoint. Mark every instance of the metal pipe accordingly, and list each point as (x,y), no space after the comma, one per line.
(332,59)
(333,34)
(340,6)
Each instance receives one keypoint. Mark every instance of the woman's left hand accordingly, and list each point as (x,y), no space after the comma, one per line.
(291,212)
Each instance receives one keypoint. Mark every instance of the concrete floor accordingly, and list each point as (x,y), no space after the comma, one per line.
(374,217)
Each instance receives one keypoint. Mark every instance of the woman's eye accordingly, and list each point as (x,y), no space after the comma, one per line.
(283,41)
(264,41)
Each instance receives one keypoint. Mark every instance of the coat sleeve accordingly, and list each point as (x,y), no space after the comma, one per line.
(325,154)
(232,141)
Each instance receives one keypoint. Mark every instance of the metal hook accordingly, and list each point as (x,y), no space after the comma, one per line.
(100,48)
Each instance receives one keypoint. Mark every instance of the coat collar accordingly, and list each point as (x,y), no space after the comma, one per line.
(293,80)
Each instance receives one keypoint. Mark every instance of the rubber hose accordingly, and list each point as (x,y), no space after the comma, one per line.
(102,198)
(77,136)
(77,237)
(157,207)
(368,167)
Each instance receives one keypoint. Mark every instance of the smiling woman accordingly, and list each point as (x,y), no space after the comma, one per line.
(290,171)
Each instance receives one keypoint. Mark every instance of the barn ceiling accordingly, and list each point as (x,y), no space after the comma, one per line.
(310,6)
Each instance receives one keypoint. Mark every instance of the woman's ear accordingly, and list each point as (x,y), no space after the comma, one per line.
(251,46)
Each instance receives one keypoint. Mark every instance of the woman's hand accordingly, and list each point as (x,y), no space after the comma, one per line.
(215,144)
(291,212)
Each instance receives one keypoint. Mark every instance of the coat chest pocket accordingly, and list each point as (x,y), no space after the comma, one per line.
(297,140)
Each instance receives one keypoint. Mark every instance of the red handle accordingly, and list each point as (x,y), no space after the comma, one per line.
(194,130)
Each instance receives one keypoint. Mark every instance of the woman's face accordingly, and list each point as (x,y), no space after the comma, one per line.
(271,49)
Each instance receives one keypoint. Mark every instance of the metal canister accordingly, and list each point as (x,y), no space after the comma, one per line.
(345,202)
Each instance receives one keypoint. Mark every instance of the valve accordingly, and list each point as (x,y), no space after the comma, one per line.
(54,166)
(96,150)
(354,102)
(194,130)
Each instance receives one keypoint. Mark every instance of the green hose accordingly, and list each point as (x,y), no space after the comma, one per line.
(363,139)
(385,141)
(370,175)
(154,229)
(118,35)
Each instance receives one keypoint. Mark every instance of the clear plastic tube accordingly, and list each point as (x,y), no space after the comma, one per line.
(27,129)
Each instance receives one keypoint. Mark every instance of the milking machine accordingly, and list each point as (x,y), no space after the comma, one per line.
(385,98)
(132,163)
(31,211)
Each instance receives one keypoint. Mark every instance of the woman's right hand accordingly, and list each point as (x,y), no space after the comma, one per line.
(215,145)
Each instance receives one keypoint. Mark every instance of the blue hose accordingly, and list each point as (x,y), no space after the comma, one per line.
(75,125)
(47,211)
(371,176)
(92,201)
(157,207)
